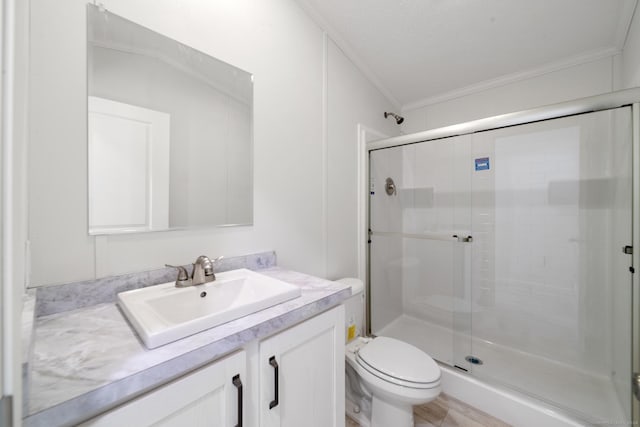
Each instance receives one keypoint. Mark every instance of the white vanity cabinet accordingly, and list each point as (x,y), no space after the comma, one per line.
(210,396)
(302,374)
(293,378)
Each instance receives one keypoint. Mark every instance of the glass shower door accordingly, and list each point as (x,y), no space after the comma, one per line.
(550,214)
(420,247)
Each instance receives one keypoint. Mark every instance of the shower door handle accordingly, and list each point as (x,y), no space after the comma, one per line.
(463,239)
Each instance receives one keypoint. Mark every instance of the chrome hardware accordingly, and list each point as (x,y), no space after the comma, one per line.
(183,280)
(390,187)
(463,239)
(202,272)
(627,250)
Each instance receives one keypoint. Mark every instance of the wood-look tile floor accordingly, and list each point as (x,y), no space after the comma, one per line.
(446,411)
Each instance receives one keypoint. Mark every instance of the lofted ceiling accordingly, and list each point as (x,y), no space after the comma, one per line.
(417,51)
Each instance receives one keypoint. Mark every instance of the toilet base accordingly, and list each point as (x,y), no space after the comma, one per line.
(357,413)
(385,414)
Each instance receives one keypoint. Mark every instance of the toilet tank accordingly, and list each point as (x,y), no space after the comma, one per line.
(354,307)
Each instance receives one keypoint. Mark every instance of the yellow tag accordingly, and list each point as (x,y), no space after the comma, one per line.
(351,332)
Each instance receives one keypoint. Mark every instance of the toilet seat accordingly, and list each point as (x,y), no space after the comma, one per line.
(399,363)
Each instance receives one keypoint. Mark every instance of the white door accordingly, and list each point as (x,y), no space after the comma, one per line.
(302,374)
(128,167)
(211,397)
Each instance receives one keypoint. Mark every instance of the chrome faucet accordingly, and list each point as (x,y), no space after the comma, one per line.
(202,272)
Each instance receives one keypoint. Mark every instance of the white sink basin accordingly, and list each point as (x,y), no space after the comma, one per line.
(163,313)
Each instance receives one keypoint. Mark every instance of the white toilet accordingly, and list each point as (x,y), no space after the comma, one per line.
(385,376)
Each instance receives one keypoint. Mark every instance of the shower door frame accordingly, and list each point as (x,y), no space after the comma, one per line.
(365,137)
(627,97)
(635,227)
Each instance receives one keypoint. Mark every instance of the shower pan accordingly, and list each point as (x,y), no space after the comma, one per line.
(501,253)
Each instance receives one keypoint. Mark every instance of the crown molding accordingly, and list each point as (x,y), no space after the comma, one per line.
(515,77)
(348,51)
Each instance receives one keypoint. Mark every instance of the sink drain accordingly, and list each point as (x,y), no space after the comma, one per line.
(473,360)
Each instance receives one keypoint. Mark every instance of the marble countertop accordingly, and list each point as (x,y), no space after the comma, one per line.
(88,360)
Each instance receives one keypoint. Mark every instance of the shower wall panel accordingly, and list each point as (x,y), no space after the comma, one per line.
(386,211)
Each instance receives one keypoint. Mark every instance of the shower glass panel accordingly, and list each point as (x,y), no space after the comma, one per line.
(535,287)
(549,221)
(420,254)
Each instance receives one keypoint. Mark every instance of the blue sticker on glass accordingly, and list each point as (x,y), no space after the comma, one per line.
(482,164)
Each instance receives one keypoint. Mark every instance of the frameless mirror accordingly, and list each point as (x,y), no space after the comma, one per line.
(169,132)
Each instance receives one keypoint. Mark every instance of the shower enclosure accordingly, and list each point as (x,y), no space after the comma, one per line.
(506,253)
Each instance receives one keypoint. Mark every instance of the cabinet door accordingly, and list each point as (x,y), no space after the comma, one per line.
(206,397)
(307,387)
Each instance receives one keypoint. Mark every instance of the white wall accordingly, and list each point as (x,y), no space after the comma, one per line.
(285,51)
(631,54)
(586,79)
(351,100)
(15,42)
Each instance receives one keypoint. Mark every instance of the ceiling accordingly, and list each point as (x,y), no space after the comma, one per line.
(417,51)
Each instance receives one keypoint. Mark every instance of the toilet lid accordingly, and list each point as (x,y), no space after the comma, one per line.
(399,360)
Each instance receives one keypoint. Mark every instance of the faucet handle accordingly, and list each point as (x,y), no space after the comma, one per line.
(208,266)
(213,261)
(208,270)
(183,279)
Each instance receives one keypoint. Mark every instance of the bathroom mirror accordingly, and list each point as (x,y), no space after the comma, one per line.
(169,132)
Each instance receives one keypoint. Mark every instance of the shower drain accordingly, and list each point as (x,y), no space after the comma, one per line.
(473,360)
